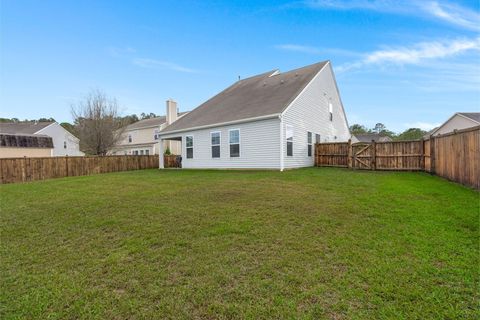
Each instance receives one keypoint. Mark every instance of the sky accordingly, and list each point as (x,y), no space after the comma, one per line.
(402,63)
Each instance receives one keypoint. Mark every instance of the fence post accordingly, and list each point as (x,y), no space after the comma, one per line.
(422,152)
(432,155)
(66,164)
(349,154)
(374,155)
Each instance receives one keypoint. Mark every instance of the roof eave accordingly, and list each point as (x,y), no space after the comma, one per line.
(213,125)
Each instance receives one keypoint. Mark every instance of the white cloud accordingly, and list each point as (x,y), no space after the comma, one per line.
(415,54)
(159,64)
(426,126)
(298,48)
(444,11)
(315,50)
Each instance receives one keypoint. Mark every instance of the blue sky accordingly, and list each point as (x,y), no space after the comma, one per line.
(403,63)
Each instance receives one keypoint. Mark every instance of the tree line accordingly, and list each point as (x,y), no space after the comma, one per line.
(380,128)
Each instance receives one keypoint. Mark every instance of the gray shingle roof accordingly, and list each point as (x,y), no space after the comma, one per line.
(23,127)
(475,116)
(152,122)
(265,94)
(368,137)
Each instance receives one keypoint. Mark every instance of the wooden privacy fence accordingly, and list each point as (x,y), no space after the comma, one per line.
(31,169)
(455,156)
(171,161)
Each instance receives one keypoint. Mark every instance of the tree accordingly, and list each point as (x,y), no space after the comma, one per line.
(97,123)
(69,127)
(411,134)
(358,128)
(379,127)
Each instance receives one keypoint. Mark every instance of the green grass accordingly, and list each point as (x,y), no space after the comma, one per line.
(311,243)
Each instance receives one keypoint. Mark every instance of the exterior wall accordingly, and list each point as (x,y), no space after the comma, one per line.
(259,146)
(144,139)
(310,112)
(457,122)
(8,152)
(60,136)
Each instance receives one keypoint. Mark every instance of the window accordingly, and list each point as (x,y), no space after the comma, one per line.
(215,139)
(155,134)
(126,152)
(135,152)
(64,144)
(189,146)
(309,144)
(330,109)
(234,143)
(317,138)
(129,138)
(147,152)
(289,136)
(141,152)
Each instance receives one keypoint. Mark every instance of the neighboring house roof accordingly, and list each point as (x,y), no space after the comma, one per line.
(26,140)
(472,116)
(475,116)
(23,127)
(269,93)
(368,137)
(152,122)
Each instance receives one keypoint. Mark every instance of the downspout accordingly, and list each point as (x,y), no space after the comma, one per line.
(281,144)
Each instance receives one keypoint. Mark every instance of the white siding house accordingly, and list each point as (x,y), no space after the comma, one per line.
(64,143)
(460,120)
(268,121)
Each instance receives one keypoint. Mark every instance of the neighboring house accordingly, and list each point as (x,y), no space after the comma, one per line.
(141,137)
(19,146)
(64,143)
(271,120)
(460,120)
(369,137)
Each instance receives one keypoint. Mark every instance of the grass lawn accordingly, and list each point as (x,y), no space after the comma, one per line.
(310,243)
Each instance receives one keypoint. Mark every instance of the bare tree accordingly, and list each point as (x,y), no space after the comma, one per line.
(97,123)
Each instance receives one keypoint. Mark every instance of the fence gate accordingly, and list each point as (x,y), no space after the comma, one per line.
(362,154)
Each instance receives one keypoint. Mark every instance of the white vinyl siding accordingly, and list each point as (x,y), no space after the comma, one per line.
(310,112)
(259,146)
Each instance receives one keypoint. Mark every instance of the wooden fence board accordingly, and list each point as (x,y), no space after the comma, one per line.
(31,169)
(454,156)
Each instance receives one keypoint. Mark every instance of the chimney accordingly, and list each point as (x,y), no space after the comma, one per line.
(172,112)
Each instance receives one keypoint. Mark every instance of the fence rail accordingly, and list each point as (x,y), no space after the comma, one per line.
(31,169)
(455,156)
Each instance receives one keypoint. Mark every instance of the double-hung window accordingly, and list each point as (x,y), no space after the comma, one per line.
(317,138)
(215,139)
(189,146)
(289,136)
(234,140)
(156,132)
(309,143)
(129,138)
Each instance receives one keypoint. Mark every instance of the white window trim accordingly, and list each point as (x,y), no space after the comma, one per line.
(239,143)
(286,139)
(310,144)
(193,146)
(219,144)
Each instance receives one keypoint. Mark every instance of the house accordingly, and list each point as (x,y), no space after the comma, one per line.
(460,120)
(64,143)
(19,146)
(270,120)
(369,137)
(141,137)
